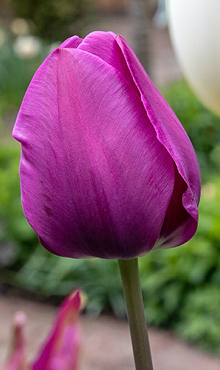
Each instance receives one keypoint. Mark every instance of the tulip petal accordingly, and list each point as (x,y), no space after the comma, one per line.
(91,166)
(17,359)
(61,350)
(71,42)
(105,46)
(173,137)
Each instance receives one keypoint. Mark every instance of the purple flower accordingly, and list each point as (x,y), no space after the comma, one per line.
(107,169)
(62,347)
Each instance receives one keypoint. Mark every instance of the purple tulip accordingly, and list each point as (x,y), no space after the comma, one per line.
(107,169)
(62,347)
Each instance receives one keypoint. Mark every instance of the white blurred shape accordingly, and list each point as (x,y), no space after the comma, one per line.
(19,26)
(195,33)
(27,47)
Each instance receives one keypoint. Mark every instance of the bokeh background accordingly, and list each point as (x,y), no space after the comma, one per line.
(181,287)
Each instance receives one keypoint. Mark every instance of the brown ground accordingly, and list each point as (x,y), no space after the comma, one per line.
(106,342)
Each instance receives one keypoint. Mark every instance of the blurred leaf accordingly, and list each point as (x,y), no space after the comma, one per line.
(53,20)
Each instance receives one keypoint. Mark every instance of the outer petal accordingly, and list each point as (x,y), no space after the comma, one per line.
(71,42)
(95,180)
(17,359)
(174,138)
(61,350)
(104,45)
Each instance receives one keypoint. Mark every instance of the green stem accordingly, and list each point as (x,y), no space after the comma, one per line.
(135,312)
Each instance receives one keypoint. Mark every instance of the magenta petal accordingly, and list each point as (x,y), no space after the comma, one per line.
(178,226)
(91,166)
(71,42)
(173,137)
(61,350)
(104,45)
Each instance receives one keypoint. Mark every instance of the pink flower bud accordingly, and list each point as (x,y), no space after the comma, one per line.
(60,350)
(17,358)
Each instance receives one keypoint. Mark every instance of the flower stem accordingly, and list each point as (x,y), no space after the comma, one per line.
(135,312)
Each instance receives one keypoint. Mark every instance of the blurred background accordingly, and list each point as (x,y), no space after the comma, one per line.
(181,287)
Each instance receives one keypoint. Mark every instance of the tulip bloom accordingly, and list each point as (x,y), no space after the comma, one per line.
(106,169)
(61,349)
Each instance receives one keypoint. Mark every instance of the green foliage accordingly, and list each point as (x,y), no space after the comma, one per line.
(54,20)
(181,286)
(202,126)
(16,236)
(200,318)
(51,275)
(15,76)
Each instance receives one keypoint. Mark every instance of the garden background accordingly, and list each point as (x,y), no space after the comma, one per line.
(181,287)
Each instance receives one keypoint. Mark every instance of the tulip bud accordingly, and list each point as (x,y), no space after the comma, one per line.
(61,349)
(17,358)
(106,169)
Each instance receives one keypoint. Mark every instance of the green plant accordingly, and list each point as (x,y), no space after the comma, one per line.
(15,232)
(15,76)
(200,317)
(182,285)
(53,20)
(202,126)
